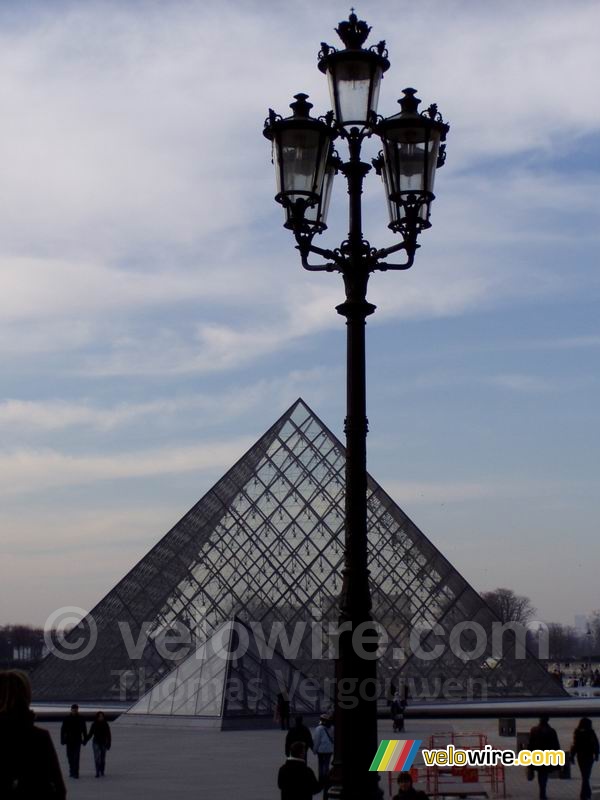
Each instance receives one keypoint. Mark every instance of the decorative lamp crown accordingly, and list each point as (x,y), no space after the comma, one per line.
(353,32)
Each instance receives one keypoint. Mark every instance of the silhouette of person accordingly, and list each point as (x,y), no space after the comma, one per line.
(73,734)
(295,780)
(29,765)
(283,711)
(585,748)
(299,733)
(101,740)
(406,790)
(543,737)
(323,745)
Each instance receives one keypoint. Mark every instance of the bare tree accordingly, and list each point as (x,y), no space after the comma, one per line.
(20,644)
(508,606)
(565,643)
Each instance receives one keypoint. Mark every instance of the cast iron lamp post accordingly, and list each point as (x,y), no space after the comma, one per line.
(306,163)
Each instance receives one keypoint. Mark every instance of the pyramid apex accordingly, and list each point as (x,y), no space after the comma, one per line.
(299,407)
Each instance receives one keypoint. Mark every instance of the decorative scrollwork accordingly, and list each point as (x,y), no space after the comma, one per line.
(272,119)
(433,113)
(378,163)
(328,119)
(441,156)
(380,49)
(326,50)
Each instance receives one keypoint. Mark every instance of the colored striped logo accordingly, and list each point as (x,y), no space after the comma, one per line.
(395,755)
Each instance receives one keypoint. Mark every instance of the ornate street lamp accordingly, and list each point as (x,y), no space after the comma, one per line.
(306,163)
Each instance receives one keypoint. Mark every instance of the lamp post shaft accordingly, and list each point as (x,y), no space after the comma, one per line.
(303,151)
(356,676)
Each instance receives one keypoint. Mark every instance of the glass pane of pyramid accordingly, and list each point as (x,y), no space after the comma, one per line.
(193,688)
(264,546)
(210,683)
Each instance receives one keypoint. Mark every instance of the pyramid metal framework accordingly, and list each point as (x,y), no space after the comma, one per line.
(265,545)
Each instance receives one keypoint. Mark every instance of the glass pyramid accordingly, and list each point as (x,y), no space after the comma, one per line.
(264,546)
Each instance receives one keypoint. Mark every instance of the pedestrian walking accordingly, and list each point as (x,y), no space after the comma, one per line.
(299,733)
(101,740)
(282,711)
(73,734)
(397,712)
(586,750)
(29,765)
(543,737)
(295,780)
(323,745)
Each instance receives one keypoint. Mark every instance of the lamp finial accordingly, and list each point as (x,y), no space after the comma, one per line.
(353,32)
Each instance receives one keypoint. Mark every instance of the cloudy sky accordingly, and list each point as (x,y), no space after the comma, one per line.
(154,318)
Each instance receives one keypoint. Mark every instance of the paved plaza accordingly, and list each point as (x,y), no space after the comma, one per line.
(152,763)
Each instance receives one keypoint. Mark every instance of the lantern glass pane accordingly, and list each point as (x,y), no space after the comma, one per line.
(299,158)
(317,214)
(412,157)
(326,195)
(354,88)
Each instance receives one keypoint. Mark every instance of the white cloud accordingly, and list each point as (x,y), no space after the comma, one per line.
(438,492)
(132,185)
(40,288)
(491,489)
(521,383)
(51,534)
(31,470)
(571,342)
(55,415)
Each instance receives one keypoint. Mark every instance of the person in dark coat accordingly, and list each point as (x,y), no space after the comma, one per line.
(397,712)
(283,711)
(295,780)
(299,733)
(29,767)
(101,740)
(543,737)
(73,734)
(406,790)
(585,748)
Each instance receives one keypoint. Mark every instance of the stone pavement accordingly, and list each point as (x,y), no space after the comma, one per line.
(178,764)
